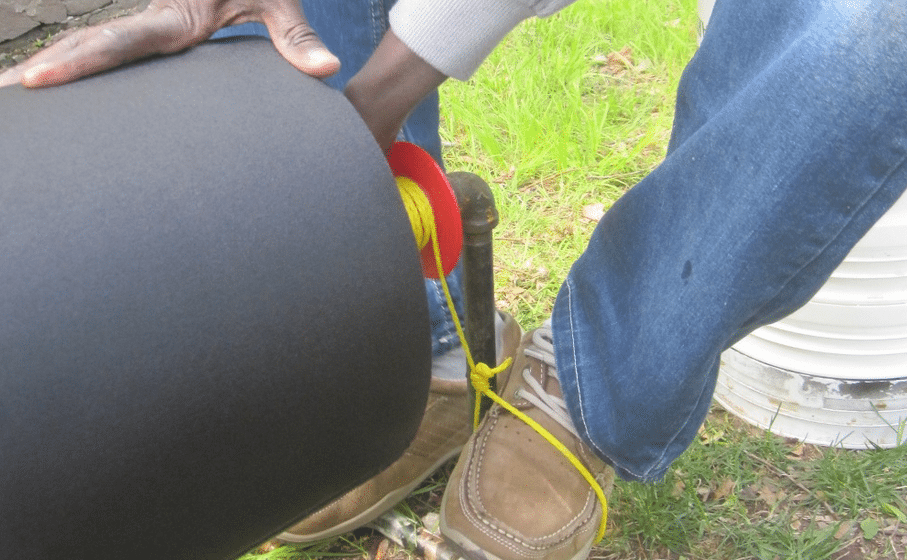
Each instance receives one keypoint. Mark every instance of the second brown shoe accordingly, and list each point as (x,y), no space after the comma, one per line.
(445,427)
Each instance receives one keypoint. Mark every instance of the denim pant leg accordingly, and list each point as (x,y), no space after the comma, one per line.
(352,29)
(789,142)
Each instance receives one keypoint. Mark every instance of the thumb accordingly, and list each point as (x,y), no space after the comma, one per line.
(297,42)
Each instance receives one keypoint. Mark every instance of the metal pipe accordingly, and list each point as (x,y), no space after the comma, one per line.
(480,216)
(409,535)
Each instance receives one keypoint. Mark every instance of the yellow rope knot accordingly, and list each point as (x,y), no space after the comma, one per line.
(480,375)
(481,378)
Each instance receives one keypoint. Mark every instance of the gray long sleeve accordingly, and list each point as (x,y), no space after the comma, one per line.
(455,36)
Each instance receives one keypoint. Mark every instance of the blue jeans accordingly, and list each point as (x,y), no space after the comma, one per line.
(788,143)
(352,29)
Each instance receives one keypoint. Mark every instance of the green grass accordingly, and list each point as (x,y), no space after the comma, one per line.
(740,492)
(569,112)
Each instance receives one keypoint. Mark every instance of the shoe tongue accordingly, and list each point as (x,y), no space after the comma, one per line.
(551,383)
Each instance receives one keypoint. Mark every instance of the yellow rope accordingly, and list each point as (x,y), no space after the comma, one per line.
(419,210)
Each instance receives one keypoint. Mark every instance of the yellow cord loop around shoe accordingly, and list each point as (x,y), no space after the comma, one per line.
(423,223)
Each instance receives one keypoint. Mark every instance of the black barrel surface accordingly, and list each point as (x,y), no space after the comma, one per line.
(212,314)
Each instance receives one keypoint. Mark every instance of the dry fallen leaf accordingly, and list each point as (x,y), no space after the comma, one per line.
(725,490)
(711,435)
(617,62)
(268,547)
(381,550)
(843,530)
(797,451)
(594,212)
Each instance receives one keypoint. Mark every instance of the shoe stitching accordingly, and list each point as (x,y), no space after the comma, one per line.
(499,534)
(471,512)
(468,508)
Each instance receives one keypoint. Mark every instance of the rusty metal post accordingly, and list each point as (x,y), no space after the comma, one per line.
(479,218)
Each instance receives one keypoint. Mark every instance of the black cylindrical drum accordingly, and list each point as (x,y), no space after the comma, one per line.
(212,314)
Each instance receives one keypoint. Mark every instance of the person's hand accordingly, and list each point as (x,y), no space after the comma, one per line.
(390,86)
(168,26)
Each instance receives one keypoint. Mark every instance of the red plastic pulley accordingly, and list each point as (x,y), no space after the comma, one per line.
(414,163)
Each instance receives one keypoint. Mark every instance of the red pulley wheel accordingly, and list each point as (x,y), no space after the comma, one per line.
(414,163)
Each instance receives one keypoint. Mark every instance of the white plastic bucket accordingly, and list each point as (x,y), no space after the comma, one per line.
(835,371)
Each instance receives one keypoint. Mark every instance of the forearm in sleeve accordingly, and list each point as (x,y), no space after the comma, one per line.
(455,36)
